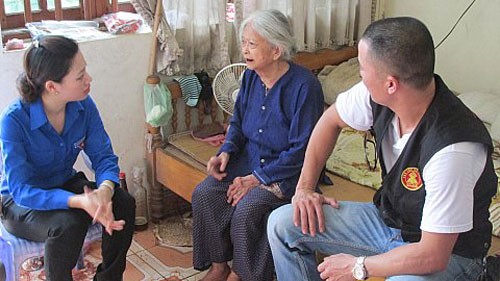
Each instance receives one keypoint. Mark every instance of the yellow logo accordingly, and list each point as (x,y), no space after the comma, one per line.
(411,179)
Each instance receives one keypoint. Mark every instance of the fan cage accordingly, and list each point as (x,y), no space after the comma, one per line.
(226,83)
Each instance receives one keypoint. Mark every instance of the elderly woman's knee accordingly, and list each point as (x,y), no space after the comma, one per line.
(204,192)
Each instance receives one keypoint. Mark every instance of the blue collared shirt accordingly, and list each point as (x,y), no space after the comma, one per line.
(269,132)
(38,160)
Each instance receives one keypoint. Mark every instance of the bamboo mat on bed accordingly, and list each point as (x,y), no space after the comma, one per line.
(198,150)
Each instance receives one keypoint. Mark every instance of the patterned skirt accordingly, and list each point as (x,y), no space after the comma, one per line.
(222,232)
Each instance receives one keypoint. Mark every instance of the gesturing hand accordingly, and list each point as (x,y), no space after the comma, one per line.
(99,207)
(103,197)
(308,210)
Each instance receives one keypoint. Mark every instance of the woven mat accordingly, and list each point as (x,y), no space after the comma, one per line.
(175,231)
(197,150)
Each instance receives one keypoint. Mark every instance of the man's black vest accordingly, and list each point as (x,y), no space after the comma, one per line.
(401,198)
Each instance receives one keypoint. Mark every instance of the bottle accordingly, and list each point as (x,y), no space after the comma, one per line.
(123,181)
(141,204)
(147,187)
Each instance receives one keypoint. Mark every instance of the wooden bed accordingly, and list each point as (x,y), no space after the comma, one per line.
(178,163)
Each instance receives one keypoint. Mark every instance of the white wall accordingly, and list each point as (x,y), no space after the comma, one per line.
(469,59)
(119,68)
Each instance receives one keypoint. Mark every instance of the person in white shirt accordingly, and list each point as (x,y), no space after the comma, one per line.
(429,219)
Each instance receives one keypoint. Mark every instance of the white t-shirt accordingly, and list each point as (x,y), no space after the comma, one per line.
(449,176)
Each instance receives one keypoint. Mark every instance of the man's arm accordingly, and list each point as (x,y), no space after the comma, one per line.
(308,212)
(428,256)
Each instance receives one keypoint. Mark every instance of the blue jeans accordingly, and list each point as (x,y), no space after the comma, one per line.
(355,228)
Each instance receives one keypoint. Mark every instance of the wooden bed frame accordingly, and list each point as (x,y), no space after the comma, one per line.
(180,170)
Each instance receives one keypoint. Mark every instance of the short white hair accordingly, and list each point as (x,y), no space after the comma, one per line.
(275,28)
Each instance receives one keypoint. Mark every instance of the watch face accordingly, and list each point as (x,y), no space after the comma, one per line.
(358,272)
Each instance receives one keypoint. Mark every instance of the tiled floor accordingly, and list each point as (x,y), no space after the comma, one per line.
(147,260)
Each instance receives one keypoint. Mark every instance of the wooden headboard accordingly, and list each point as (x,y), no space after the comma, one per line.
(321,58)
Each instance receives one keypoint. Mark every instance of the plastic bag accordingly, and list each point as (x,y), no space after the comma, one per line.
(122,22)
(157,104)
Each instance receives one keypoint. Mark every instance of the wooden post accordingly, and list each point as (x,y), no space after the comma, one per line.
(156,202)
(28,17)
(88,9)
(59,11)
(156,192)
(114,6)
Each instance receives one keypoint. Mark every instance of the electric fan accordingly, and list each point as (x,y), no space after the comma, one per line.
(226,86)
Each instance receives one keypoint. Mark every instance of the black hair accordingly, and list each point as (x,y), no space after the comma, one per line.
(49,58)
(404,46)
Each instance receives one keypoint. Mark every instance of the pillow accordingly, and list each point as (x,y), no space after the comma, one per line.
(336,79)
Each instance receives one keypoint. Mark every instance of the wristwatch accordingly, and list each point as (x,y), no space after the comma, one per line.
(359,270)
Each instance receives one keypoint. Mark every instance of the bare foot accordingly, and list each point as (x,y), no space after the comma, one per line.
(233,277)
(218,272)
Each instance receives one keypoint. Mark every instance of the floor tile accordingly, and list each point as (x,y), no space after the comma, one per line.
(148,272)
(145,238)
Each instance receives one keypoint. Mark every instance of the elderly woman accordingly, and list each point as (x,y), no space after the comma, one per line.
(257,168)
(43,198)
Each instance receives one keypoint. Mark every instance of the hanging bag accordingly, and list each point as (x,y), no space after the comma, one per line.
(157,104)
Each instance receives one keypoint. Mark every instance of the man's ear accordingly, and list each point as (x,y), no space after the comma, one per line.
(392,84)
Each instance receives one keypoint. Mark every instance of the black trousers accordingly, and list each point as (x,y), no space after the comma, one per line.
(63,232)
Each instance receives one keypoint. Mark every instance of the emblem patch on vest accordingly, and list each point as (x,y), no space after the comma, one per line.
(411,179)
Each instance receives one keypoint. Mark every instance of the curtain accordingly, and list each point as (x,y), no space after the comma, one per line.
(195,35)
(200,30)
(318,23)
(168,51)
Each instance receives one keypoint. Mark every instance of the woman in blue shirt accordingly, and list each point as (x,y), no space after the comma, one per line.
(257,168)
(41,134)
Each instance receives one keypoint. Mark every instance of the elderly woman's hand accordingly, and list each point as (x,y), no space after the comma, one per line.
(240,187)
(216,166)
